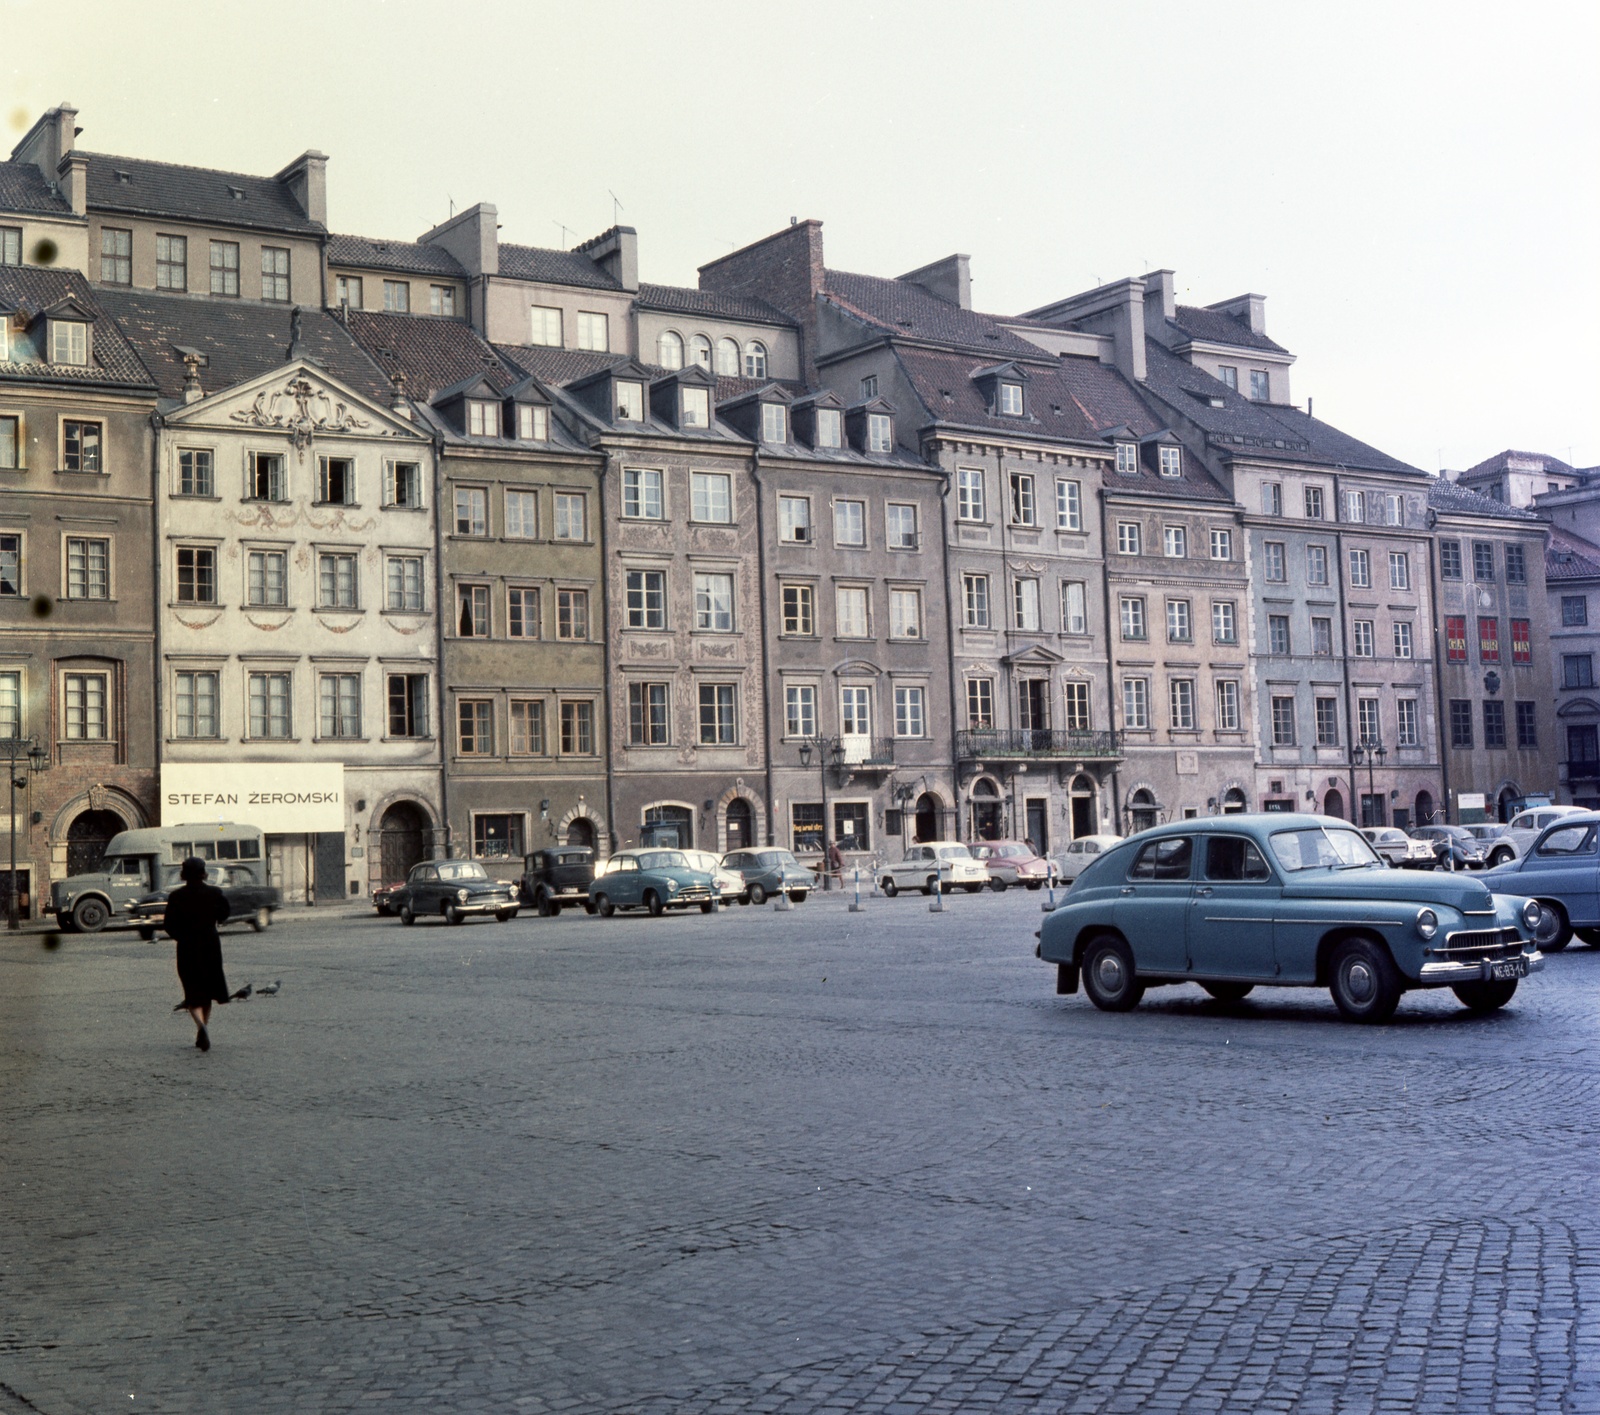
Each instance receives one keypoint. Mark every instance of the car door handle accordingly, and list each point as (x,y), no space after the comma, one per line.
(1127,889)
(1205,891)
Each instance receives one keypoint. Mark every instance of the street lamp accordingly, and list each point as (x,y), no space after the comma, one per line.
(903,792)
(824,748)
(18,752)
(1371,754)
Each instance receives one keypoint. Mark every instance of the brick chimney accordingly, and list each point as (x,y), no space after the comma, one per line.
(473,238)
(617,253)
(785,270)
(307,180)
(949,280)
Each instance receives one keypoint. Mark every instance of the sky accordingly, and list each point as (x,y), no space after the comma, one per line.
(1411,186)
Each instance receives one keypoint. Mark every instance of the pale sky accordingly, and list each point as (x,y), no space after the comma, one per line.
(1413,187)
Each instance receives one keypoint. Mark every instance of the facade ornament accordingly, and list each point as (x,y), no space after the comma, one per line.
(312,411)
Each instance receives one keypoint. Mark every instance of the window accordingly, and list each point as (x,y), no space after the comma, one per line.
(570,516)
(799,609)
(408,704)
(194,702)
(851,608)
(1455,639)
(1482,560)
(1069,513)
(336,481)
(1178,626)
(718,726)
(474,727)
(1127,458)
(1260,387)
(1022,508)
(402,484)
(800,710)
(397,296)
(646,599)
(1272,498)
(1360,570)
(1488,640)
(10,245)
(497,837)
(572,614)
(472,511)
(1327,711)
(700,352)
(336,581)
(808,819)
(116,257)
(980,704)
(855,712)
(1077,705)
(909,717)
(1402,639)
(1574,611)
(1180,695)
(1449,560)
(901,526)
(442,300)
(1521,641)
(1224,626)
(225,268)
(267,481)
(711,496)
(641,494)
(544,327)
(1136,704)
(1221,544)
(1074,611)
(1460,723)
(275,274)
(522,514)
(339,699)
(10,436)
(727,358)
(794,519)
(1367,721)
(1170,461)
(1011,400)
(1283,721)
(1494,725)
(1128,540)
(1516,566)
(80,447)
(88,567)
(849,522)
(1025,604)
(1406,717)
(905,613)
(483,419)
(1227,705)
(472,611)
(269,705)
(10,566)
(1316,564)
(1322,637)
(869,387)
(197,575)
(969,494)
(1175,542)
(577,729)
(774,423)
(713,603)
(1527,724)
(195,475)
(1361,639)
(830,427)
(347,291)
(696,407)
(1399,570)
(647,715)
(594,331)
(1355,507)
(83,700)
(1133,626)
(522,613)
(1577,670)
(1278,633)
(267,578)
(172,263)
(1313,497)
(403,574)
(755,359)
(1273,551)
(880,433)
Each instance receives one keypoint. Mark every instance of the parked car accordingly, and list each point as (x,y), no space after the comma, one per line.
(1237,902)
(454,890)
(1399,849)
(728,884)
(249,900)
(557,876)
(1524,830)
(1561,871)
(1452,842)
(1082,853)
(384,896)
(924,865)
(1485,832)
(654,880)
(1011,862)
(769,872)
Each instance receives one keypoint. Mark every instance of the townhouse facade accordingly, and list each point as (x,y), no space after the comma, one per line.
(1572,580)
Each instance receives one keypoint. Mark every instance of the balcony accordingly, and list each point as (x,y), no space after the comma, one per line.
(863,753)
(1583,771)
(1037,743)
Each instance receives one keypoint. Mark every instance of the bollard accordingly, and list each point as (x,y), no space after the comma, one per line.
(781,901)
(1049,905)
(936,905)
(855,904)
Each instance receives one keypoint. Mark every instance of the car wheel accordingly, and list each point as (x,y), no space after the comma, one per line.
(1554,930)
(653,905)
(709,907)
(1229,992)
(929,886)
(262,920)
(148,935)
(972,888)
(1035,884)
(504,916)
(1365,983)
(1109,977)
(1502,857)
(408,915)
(383,910)
(997,884)
(890,888)
(1589,936)
(90,916)
(541,902)
(758,895)
(797,896)
(453,915)
(1488,996)
(605,906)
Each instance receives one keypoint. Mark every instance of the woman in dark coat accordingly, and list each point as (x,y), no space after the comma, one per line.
(194,910)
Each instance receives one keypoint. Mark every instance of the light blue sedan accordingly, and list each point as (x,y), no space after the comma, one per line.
(1239,902)
(1561,871)
(653,880)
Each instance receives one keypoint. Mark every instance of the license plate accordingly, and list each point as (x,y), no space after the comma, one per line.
(1511,968)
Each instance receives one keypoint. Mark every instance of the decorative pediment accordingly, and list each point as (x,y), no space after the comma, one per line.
(856,668)
(1579,707)
(1034,656)
(301,409)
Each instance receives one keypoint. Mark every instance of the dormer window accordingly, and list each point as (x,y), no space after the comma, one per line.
(869,387)
(1260,386)
(696,407)
(1171,461)
(483,419)
(774,423)
(880,432)
(1127,458)
(1011,399)
(630,401)
(69,342)
(533,423)
(830,427)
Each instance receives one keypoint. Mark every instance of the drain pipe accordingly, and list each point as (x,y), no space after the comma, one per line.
(605,644)
(1111,677)
(766,638)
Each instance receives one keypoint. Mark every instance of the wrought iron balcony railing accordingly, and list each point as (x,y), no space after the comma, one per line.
(1055,742)
(863,753)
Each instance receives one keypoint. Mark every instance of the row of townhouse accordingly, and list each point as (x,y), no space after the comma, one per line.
(528,550)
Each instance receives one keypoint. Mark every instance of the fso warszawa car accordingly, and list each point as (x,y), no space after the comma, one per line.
(249,901)
(769,872)
(1561,871)
(1284,901)
(653,880)
(454,890)
(1011,862)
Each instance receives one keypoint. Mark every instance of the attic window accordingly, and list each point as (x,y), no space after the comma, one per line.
(69,342)
(1171,462)
(880,433)
(533,423)
(1011,400)
(237,193)
(696,407)
(830,427)
(483,419)
(774,423)
(124,177)
(630,401)
(1127,458)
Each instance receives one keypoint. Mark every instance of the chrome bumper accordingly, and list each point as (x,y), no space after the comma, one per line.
(1477,970)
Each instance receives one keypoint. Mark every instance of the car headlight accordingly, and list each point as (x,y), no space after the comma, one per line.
(672,886)
(1531,913)
(461,896)
(1427,923)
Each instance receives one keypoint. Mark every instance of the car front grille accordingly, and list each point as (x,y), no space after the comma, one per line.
(693,892)
(1480,943)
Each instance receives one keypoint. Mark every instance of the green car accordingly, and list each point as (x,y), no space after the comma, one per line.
(653,880)
(1240,902)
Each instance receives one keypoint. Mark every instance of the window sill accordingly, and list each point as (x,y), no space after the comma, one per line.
(182,741)
(405,739)
(70,472)
(337,741)
(271,741)
(264,500)
(194,496)
(396,506)
(342,505)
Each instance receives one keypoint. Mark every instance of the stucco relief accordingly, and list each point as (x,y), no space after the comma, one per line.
(302,410)
(192,624)
(712,648)
(406,630)
(256,622)
(648,648)
(334,627)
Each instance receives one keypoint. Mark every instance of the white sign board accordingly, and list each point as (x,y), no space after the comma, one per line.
(282,798)
(1470,801)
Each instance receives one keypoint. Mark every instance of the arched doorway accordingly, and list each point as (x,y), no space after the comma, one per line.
(87,838)
(1333,804)
(986,822)
(1083,811)
(741,825)
(402,840)
(927,816)
(1141,811)
(1424,808)
(1506,809)
(669,827)
(1233,802)
(581,832)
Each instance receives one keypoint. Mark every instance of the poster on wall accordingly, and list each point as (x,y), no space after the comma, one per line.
(282,798)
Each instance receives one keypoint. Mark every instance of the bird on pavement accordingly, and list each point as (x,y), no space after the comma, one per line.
(270,989)
(243,993)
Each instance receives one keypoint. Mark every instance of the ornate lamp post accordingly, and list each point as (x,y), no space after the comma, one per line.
(828,751)
(1372,754)
(19,753)
(903,792)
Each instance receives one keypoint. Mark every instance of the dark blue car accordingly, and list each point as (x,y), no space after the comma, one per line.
(1561,871)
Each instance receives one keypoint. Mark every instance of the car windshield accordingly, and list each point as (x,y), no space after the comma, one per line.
(777,857)
(663,860)
(955,852)
(702,860)
(1011,852)
(465,869)
(1322,849)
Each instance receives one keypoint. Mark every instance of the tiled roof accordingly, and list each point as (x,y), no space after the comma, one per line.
(680,299)
(1214,327)
(898,307)
(433,354)
(406,257)
(23,188)
(240,341)
(31,290)
(1570,557)
(729,387)
(553,267)
(1497,463)
(194,193)
(1446,495)
(556,366)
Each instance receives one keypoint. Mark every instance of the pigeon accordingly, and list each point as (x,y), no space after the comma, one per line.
(269,989)
(242,994)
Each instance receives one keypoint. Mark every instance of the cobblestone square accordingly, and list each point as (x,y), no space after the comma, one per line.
(806,1161)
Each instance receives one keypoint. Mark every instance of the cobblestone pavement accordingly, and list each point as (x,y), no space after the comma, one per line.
(770,1162)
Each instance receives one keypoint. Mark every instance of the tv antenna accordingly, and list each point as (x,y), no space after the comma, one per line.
(564,229)
(616,207)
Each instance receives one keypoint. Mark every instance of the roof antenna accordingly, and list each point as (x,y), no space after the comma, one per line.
(452,202)
(564,229)
(616,207)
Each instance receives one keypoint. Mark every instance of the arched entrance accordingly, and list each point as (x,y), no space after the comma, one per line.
(1141,810)
(927,816)
(1333,804)
(986,822)
(1233,802)
(87,838)
(741,824)
(1083,811)
(669,827)
(581,832)
(1506,809)
(402,840)
(1424,808)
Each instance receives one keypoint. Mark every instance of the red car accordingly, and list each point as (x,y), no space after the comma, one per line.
(383,897)
(1011,862)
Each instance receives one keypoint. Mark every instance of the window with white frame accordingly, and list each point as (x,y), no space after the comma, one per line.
(472,511)
(522,612)
(522,513)
(594,331)
(268,699)
(1069,505)
(1273,556)
(533,422)
(10,245)
(571,516)
(10,426)
(1402,639)
(869,387)
(1128,538)
(1327,718)
(1406,726)
(799,610)
(336,481)
(901,526)
(641,494)
(1171,461)
(10,564)
(794,519)
(1272,498)
(1283,734)
(1368,721)
(172,263)
(630,400)
(1321,636)
(1224,625)
(969,493)
(669,349)
(1074,610)
(572,614)
(851,609)
(1076,693)
(713,602)
(408,704)
(1355,507)
(1022,504)
(800,710)
(1227,705)
(980,704)
(442,300)
(397,296)
(910,720)
(527,740)
(755,359)
(1394,509)
(11,704)
(880,432)
(830,428)
(905,614)
(88,567)
(1136,704)
(1260,385)
(116,256)
(1313,500)
(1011,399)
(849,522)
(402,484)
(1180,629)
(648,719)
(275,274)
(711,496)
(1221,543)
(774,423)
(700,352)
(1127,458)
(347,291)
(194,704)
(1180,698)
(80,446)
(1316,564)
(483,418)
(225,268)
(85,706)
(1025,604)
(403,576)
(727,358)
(545,327)
(339,704)
(1361,639)
(266,477)
(1175,542)
(1360,570)
(196,472)
(646,599)
(267,578)
(975,601)
(855,712)
(719,721)
(1133,621)
(1278,634)
(472,611)
(1399,570)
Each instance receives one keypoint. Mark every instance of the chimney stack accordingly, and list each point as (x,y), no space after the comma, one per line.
(1249,309)
(49,140)
(307,180)
(192,392)
(73,176)
(617,253)
(473,238)
(949,280)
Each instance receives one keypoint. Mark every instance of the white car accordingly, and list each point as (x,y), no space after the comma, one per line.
(1082,853)
(1399,849)
(729,886)
(927,865)
(1524,830)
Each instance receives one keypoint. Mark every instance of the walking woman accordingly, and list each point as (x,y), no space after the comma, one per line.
(194,910)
